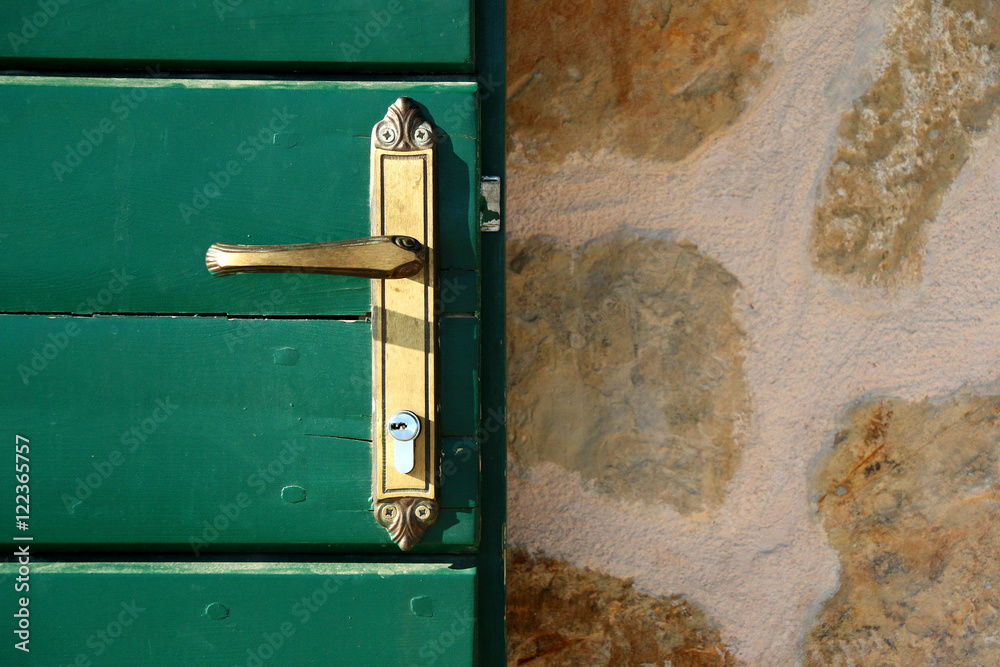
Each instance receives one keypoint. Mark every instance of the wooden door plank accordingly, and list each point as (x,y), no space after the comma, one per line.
(233,35)
(207,434)
(113,190)
(224,614)
(459,383)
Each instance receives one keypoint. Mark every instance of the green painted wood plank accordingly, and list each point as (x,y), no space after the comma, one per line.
(460,466)
(459,385)
(207,435)
(231,35)
(458,292)
(113,189)
(247,614)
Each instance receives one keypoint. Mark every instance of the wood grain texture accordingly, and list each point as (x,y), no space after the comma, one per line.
(210,435)
(233,35)
(114,189)
(224,614)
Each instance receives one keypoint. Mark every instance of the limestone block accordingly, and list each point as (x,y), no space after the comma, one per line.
(909,496)
(626,365)
(906,139)
(562,616)
(646,78)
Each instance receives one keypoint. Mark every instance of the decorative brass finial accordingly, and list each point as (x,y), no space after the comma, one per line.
(403,128)
(407,519)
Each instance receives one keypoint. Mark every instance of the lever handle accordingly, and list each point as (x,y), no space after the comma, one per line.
(377,257)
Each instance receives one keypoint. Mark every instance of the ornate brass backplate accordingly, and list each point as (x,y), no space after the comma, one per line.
(404,325)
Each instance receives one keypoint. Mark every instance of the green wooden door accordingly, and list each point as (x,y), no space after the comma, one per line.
(195,453)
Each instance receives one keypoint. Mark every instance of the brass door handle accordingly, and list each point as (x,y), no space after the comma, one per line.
(376,257)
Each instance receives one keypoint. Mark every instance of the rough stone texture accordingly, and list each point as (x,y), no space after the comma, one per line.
(909,496)
(907,138)
(646,78)
(761,564)
(562,616)
(626,365)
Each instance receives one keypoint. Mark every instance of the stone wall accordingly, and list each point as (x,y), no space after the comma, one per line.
(754,313)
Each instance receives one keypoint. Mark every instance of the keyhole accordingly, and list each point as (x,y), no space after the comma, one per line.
(403,425)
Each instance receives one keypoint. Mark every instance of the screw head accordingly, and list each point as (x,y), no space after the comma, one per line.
(422,135)
(425,512)
(386,134)
(387,513)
